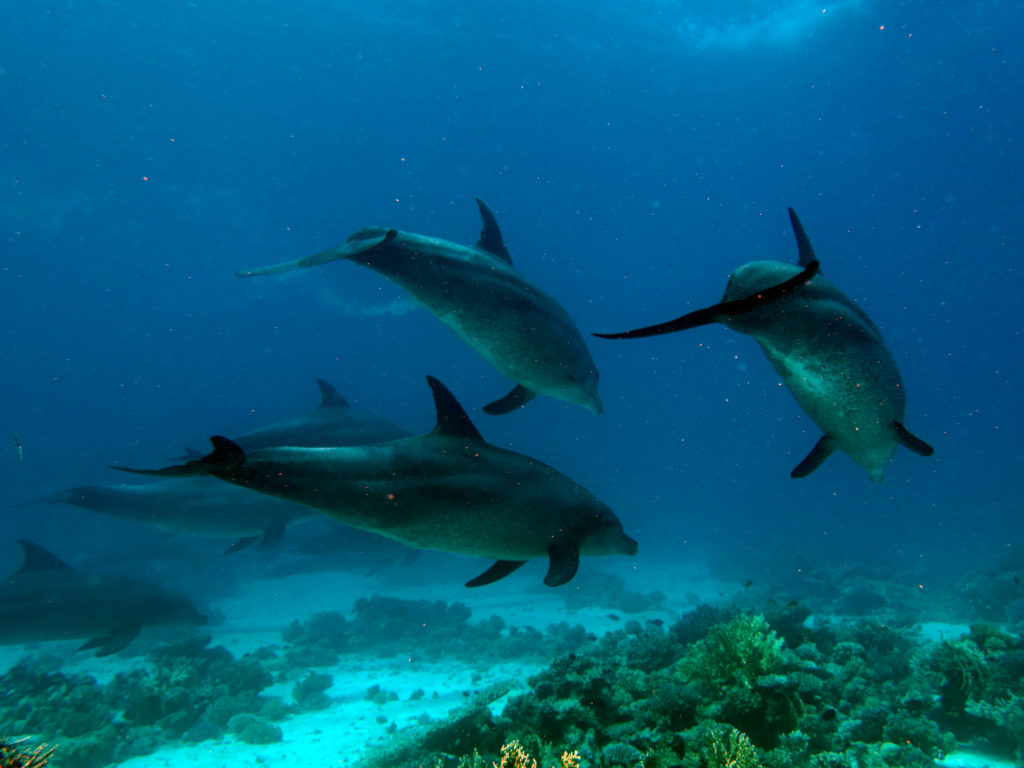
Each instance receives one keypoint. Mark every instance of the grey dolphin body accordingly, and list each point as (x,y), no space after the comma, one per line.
(446,490)
(48,600)
(827,351)
(202,506)
(475,291)
(334,422)
(194,506)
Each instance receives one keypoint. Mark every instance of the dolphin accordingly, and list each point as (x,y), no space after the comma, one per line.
(46,599)
(200,506)
(826,350)
(446,490)
(475,291)
(193,506)
(334,422)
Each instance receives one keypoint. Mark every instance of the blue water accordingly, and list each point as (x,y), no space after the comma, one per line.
(634,153)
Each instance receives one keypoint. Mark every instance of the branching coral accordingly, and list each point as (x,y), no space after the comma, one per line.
(14,755)
(730,749)
(735,653)
(514,756)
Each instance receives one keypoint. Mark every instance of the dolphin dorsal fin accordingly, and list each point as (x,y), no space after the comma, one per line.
(329,396)
(39,558)
(803,243)
(451,418)
(490,235)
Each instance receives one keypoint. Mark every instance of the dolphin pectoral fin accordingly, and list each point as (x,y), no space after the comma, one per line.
(243,543)
(821,451)
(272,535)
(346,251)
(223,461)
(490,236)
(565,561)
(499,570)
(451,417)
(803,243)
(117,640)
(717,313)
(517,398)
(907,440)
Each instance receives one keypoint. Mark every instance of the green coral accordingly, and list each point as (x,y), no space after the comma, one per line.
(737,653)
(729,748)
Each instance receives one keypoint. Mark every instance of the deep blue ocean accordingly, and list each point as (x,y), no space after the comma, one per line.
(634,154)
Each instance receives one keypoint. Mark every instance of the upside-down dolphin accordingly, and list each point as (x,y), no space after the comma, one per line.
(827,351)
(446,490)
(475,291)
(46,599)
(193,506)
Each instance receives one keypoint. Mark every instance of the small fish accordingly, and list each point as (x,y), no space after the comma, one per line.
(19,448)
(613,616)
(748,584)
(829,714)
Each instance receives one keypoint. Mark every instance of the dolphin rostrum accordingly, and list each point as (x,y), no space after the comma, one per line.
(475,291)
(48,600)
(826,349)
(446,490)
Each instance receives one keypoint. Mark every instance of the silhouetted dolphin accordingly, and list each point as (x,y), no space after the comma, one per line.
(194,506)
(334,422)
(485,301)
(447,490)
(48,600)
(824,347)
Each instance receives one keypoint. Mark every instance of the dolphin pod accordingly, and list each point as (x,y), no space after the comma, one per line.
(198,506)
(475,291)
(826,350)
(447,490)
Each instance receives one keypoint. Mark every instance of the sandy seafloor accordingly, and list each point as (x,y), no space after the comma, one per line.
(353,724)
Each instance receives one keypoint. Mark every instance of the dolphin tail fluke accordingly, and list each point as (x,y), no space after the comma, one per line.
(720,312)
(499,570)
(346,251)
(517,398)
(821,451)
(912,442)
(223,461)
(117,640)
(565,561)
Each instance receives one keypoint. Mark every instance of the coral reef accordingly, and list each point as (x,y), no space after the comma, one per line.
(719,688)
(387,626)
(755,690)
(186,692)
